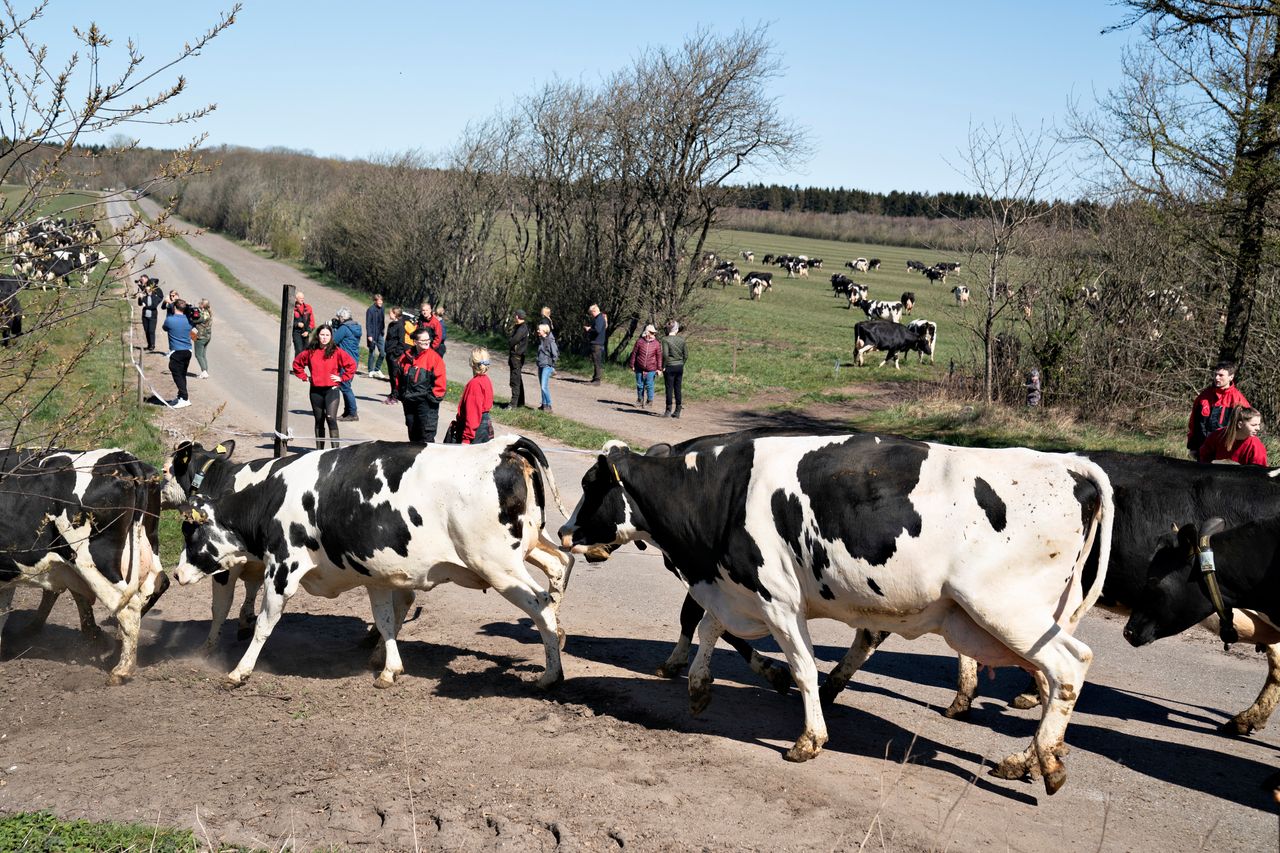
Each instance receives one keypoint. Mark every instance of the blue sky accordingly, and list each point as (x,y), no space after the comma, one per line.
(886,91)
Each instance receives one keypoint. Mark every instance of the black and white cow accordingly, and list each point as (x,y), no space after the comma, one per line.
(85,521)
(892,338)
(908,300)
(961,294)
(10,309)
(747,255)
(391,518)
(878,532)
(840,284)
(1207,571)
(929,330)
(873,264)
(878,309)
(935,274)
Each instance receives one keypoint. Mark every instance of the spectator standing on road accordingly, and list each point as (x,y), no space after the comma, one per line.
(395,348)
(346,334)
(545,317)
(1238,441)
(674,353)
(517,346)
(328,366)
(304,320)
(422,385)
(169,304)
(1211,409)
(202,334)
(548,357)
(444,332)
(178,328)
(149,298)
(596,331)
(646,361)
(375,332)
(474,424)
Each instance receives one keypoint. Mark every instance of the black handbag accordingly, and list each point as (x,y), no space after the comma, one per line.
(453,435)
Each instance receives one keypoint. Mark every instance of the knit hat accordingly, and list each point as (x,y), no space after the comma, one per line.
(519,313)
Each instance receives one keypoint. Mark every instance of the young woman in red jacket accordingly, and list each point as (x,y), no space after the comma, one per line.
(477,401)
(1238,441)
(329,367)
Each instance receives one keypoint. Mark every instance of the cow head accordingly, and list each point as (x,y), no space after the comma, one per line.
(1182,588)
(185,472)
(208,547)
(606,516)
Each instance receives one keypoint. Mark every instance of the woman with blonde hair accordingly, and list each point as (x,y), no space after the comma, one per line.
(1238,441)
(474,426)
(201,334)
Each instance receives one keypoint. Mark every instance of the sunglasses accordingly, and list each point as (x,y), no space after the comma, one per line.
(482,362)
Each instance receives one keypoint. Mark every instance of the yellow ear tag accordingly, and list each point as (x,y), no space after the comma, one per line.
(220,449)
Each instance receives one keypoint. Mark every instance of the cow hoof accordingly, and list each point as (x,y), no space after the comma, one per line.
(958,709)
(1026,701)
(1238,726)
(1016,766)
(383,681)
(550,679)
(669,670)
(779,677)
(233,680)
(116,679)
(1055,779)
(805,749)
(699,697)
(830,690)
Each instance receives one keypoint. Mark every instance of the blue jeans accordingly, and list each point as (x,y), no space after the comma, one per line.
(348,398)
(644,384)
(544,380)
(376,348)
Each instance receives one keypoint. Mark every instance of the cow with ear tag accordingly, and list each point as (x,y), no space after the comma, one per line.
(1210,573)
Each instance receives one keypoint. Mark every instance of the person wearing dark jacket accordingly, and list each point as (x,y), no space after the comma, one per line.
(375,328)
(1210,411)
(674,353)
(421,387)
(395,348)
(149,298)
(517,346)
(304,320)
(329,366)
(548,357)
(346,334)
(596,335)
(646,361)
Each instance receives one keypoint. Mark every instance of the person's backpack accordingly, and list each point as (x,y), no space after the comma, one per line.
(194,314)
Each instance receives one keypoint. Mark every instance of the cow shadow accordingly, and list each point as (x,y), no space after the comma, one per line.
(788,419)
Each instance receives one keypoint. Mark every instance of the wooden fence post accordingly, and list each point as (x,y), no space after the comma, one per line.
(284,364)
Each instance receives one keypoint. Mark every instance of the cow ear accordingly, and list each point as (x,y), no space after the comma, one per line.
(226,448)
(660,449)
(1187,536)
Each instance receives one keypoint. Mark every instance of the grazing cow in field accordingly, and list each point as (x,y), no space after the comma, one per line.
(858,265)
(391,518)
(908,300)
(916,266)
(929,330)
(935,274)
(881,533)
(10,309)
(815,263)
(758,282)
(873,264)
(879,309)
(768,259)
(747,256)
(86,521)
(961,293)
(893,339)
(840,284)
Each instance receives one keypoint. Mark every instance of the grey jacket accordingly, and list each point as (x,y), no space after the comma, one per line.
(548,352)
(674,351)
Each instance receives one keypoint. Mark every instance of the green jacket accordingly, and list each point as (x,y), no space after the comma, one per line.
(673,351)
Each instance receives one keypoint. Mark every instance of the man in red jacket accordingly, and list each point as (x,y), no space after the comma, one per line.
(1211,409)
(421,387)
(304,320)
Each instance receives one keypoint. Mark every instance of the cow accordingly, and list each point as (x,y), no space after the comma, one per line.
(10,309)
(915,266)
(882,533)
(873,264)
(1153,493)
(768,259)
(1207,572)
(87,521)
(758,282)
(929,330)
(815,263)
(840,284)
(858,264)
(879,309)
(908,300)
(747,256)
(392,518)
(961,294)
(892,338)
(935,274)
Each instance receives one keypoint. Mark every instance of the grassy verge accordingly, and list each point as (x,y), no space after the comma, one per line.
(42,832)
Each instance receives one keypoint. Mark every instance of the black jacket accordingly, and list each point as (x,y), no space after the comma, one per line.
(518,341)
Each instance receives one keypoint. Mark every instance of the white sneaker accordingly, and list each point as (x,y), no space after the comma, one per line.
(180,404)
(204,374)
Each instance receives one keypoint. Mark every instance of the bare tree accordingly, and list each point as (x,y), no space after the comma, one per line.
(1010,170)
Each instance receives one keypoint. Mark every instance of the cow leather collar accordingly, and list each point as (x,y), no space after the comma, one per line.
(1208,571)
(198,478)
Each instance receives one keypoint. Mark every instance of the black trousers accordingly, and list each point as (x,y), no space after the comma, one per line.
(299,341)
(516,365)
(597,362)
(178,361)
(673,381)
(149,329)
(421,417)
(324,408)
(393,368)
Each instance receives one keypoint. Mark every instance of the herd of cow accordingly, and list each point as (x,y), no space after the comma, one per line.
(1001,552)
(47,251)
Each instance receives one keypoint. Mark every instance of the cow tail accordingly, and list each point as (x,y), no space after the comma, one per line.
(543,480)
(1104,521)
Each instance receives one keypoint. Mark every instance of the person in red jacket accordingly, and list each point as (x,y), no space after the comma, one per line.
(329,367)
(421,387)
(1211,409)
(477,401)
(304,321)
(1238,441)
(646,361)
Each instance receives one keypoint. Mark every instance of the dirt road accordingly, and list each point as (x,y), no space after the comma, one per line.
(465,754)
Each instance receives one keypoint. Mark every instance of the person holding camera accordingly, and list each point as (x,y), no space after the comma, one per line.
(304,320)
(169,304)
(421,387)
(178,328)
(346,334)
(149,299)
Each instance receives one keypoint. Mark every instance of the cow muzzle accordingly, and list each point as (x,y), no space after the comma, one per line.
(187,573)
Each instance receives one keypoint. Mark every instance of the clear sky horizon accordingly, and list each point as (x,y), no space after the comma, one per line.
(886,92)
